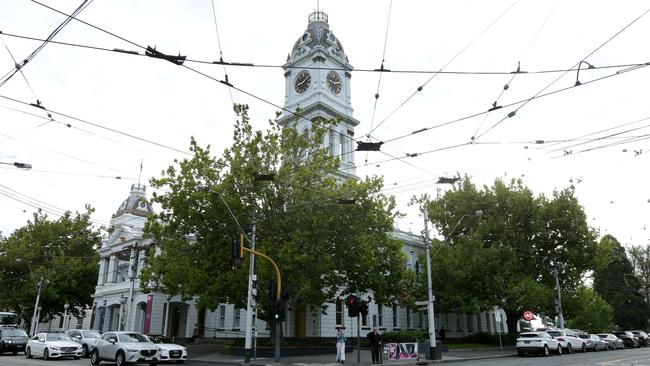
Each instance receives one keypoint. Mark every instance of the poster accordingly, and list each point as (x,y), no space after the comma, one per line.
(401,351)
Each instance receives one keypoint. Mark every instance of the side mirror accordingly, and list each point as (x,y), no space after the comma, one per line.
(111,341)
(77,338)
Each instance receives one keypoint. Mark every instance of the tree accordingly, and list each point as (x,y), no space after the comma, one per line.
(585,309)
(63,252)
(324,249)
(507,256)
(618,285)
(640,257)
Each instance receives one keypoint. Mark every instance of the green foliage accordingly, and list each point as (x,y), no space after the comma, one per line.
(318,244)
(506,257)
(63,252)
(618,285)
(585,309)
(640,258)
(405,336)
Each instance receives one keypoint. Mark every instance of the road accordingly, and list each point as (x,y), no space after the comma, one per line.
(627,357)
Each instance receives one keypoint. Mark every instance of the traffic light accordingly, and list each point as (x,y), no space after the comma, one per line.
(353,306)
(237,250)
(363,307)
(280,307)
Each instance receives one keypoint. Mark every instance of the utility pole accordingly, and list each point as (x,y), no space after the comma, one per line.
(133,266)
(559,299)
(38,297)
(430,314)
(250,301)
(358,339)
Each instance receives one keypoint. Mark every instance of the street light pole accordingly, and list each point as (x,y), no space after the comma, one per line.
(65,316)
(559,299)
(432,326)
(250,300)
(36,307)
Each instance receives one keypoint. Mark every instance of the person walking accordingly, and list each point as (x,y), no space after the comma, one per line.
(340,346)
(195,334)
(442,333)
(374,338)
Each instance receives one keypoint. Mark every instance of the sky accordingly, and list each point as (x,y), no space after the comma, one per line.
(107,107)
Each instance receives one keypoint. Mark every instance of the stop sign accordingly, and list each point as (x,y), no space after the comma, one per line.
(528,315)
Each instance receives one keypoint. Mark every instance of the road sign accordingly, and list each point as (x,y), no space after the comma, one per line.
(528,315)
(421,303)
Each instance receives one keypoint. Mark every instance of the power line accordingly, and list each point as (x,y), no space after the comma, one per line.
(364,70)
(578,83)
(419,88)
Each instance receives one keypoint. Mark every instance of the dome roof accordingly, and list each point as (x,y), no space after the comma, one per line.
(318,37)
(136,204)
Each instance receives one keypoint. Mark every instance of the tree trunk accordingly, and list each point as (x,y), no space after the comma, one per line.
(512,318)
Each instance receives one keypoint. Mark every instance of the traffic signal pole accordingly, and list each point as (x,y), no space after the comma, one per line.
(358,339)
(278,293)
(248,345)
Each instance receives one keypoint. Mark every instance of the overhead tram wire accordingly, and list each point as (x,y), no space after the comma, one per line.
(367,70)
(383,59)
(216,27)
(18,67)
(506,87)
(513,113)
(419,88)
(537,96)
(601,138)
(117,177)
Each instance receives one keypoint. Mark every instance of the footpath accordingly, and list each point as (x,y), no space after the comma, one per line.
(210,354)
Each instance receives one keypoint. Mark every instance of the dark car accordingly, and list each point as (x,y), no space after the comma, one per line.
(629,340)
(12,340)
(644,338)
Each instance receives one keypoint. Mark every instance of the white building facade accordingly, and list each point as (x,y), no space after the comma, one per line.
(317,82)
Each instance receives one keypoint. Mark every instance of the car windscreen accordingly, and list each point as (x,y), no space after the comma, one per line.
(529,335)
(554,334)
(160,339)
(58,337)
(585,336)
(132,337)
(91,334)
(602,335)
(13,333)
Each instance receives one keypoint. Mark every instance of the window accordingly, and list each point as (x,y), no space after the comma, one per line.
(459,321)
(222,317)
(380,315)
(332,147)
(408,318)
(420,320)
(494,321)
(236,319)
(339,312)
(478,322)
(395,316)
(470,325)
(343,149)
(487,321)
(61,321)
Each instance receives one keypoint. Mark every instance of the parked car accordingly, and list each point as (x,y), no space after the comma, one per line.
(629,340)
(125,348)
(537,343)
(613,342)
(594,343)
(169,351)
(86,338)
(644,339)
(12,340)
(52,345)
(569,340)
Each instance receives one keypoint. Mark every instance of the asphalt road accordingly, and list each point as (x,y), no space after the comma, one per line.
(626,357)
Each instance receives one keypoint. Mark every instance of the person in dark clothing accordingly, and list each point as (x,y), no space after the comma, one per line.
(442,333)
(374,338)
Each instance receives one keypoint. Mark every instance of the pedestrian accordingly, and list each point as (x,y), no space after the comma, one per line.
(442,333)
(340,346)
(195,334)
(374,338)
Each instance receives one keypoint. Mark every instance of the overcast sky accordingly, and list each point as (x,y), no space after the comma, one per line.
(482,40)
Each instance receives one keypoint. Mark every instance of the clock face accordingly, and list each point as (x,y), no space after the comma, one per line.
(302,81)
(334,82)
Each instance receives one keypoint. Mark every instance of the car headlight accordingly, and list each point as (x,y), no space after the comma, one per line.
(55,348)
(8,341)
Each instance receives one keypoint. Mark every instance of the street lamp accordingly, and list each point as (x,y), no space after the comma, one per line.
(65,315)
(558,300)
(18,165)
(167,315)
(39,286)
(427,242)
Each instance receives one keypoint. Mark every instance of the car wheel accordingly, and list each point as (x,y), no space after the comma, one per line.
(569,349)
(94,357)
(545,352)
(119,359)
(1,349)
(28,353)
(46,355)
(85,351)
(559,350)
(583,349)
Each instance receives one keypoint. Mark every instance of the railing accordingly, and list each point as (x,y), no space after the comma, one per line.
(222,333)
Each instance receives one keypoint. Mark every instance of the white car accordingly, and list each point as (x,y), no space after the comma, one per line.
(537,343)
(569,340)
(125,348)
(169,351)
(86,338)
(52,345)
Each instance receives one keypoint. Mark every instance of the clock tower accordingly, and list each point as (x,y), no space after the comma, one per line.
(317,81)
